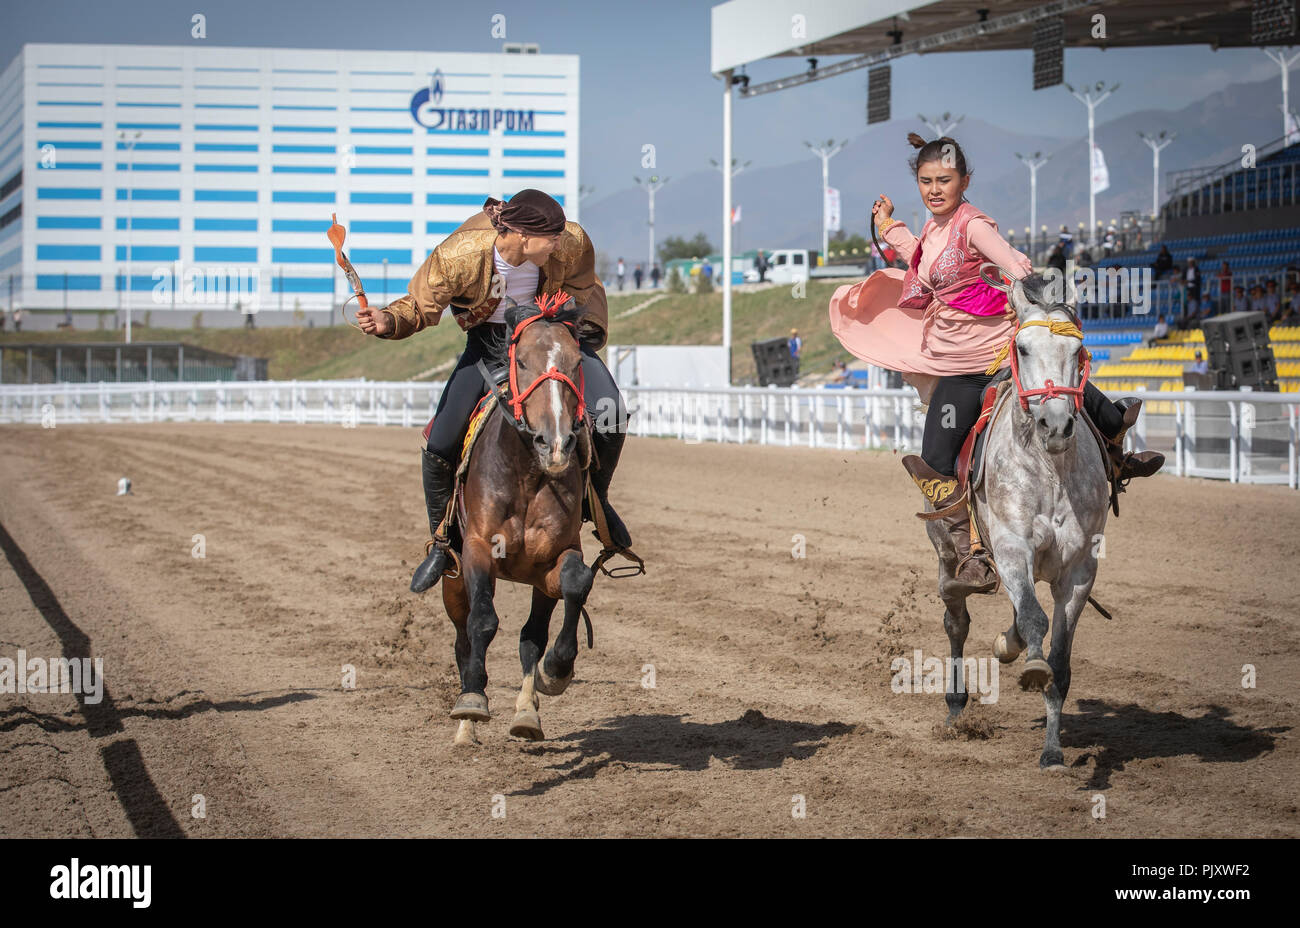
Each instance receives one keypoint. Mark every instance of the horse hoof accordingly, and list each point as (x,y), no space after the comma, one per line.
(1005,649)
(472,706)
(465,735)
(1037,675)
(527,725)
(1053,764)
(551,686)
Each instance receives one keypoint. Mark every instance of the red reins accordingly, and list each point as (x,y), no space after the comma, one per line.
(549,304)
(1050,389)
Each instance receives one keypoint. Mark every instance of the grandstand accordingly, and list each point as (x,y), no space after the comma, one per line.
(1244,217)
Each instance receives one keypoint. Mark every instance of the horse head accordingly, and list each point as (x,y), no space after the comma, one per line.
(546,377)
(1048,360)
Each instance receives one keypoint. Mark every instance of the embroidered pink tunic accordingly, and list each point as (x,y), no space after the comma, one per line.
(934,328)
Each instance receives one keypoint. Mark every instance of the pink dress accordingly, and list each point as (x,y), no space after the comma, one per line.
(946,322)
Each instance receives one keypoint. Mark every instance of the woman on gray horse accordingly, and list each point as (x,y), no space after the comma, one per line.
(944,327)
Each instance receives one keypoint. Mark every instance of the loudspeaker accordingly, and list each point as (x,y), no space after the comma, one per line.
(1238,352)
(1235,331)
(776,366)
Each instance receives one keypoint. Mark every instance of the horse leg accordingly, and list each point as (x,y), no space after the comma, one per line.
(481,625)
(1015,561)
(532,642)
(956,622)
(1071,595)
(571,580)
(456,601)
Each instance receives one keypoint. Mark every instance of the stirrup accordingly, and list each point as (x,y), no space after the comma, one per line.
(452,570)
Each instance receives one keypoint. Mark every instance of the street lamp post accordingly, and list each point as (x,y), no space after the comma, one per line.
(651,185)
(1033,162)
(1284,62)
(1156,143)
(941,126)
(1088,99)
(826,151)
(128,142)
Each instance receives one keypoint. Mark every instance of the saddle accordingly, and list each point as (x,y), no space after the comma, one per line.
(456,514)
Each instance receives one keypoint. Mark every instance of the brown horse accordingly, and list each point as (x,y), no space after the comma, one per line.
(520,516)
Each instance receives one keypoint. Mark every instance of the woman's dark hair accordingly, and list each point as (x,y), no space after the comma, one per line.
(937,150)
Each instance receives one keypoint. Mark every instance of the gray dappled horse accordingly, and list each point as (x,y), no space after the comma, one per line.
(1041,505)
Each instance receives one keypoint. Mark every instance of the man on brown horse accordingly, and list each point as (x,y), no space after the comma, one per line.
(521,249)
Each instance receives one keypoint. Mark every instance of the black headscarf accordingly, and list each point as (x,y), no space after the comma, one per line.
(529,212)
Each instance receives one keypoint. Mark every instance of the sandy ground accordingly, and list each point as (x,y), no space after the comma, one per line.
(771,673)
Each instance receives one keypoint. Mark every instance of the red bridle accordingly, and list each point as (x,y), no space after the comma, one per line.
(1050,389)
(549,304)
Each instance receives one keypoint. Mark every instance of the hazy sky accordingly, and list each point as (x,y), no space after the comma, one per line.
(645,69)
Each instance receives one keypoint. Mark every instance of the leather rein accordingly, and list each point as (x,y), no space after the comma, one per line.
(549,306)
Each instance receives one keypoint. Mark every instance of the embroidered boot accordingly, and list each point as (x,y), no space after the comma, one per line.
(974,572)
(1132,464)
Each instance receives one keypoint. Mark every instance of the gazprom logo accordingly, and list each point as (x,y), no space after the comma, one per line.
(427,112)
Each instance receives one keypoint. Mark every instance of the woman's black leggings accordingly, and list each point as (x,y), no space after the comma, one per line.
(955,405)
(465,388)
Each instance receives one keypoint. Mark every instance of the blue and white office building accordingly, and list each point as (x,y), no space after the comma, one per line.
(202,169)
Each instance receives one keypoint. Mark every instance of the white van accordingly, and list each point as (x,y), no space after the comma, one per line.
(788,265)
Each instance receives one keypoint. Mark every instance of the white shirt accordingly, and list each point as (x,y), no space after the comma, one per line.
(521,283)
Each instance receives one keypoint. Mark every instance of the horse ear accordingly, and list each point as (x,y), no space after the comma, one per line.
(996,281)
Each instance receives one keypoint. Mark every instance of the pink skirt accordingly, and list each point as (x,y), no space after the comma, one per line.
(922,344)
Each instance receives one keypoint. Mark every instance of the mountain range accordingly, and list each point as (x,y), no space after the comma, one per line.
(781,206)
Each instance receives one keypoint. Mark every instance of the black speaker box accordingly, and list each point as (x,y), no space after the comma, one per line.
(775,365)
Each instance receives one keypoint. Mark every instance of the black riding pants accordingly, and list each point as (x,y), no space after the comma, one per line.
(955,405)
(465,388)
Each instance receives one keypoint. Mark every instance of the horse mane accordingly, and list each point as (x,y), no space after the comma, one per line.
(1035,289)
(556,307)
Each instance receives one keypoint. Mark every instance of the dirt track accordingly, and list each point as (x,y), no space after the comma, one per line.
(772,673)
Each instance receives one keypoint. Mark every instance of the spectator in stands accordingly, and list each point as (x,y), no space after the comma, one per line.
(1200,365)
(1164,262)
(1240,303)
(1159,332)
(1057,258)
(1255,300)
(840,372)
(1192,282)
(1178,297)
(1066,241)
(1109,242)
(1272,299)
(1225,288)
(1293,297)
(1084,259)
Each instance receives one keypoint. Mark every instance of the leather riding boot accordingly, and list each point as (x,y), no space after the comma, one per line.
(608,447)
(974,572)
(439,481)
(1133,464)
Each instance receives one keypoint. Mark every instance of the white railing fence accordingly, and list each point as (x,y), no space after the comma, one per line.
(1241,437)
